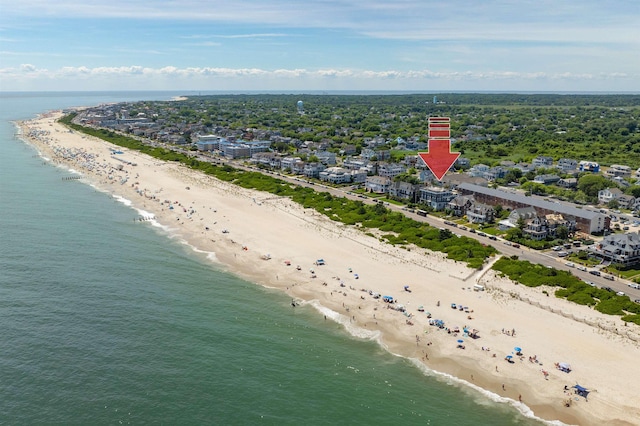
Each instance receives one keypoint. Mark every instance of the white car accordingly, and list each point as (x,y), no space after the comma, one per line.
(582,268)
(570,264)
(620,293)
(636,286)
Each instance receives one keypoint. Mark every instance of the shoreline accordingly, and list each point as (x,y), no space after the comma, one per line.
(198,208)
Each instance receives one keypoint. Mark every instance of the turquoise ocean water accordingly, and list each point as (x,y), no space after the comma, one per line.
(104,320)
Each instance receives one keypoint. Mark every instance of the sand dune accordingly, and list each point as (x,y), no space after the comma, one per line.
(242,227)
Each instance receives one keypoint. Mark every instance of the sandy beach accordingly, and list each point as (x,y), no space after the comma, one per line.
(274,242)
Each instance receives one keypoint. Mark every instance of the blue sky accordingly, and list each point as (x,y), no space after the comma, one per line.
(290,45)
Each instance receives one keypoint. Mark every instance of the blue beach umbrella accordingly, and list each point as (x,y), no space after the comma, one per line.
(517,349)
(509,357)
(460,341)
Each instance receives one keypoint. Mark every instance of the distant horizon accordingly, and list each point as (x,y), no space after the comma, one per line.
(332,92)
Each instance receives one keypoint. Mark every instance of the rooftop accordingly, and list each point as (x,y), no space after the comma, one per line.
(532,201)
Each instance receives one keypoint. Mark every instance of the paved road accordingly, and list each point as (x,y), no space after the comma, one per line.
(524,253)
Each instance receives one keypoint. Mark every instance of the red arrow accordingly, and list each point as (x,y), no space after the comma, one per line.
(439,158)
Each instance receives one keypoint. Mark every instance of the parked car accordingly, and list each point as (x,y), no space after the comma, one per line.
(595,272)
(634,285)
(516,245)
(582,268)
(563,254)
(620,293)
(570,264)
(590,283)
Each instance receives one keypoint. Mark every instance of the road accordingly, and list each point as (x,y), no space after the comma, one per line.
(524,253)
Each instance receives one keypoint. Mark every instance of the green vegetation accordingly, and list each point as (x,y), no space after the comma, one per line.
(488,128)
(397,228)
(571,288)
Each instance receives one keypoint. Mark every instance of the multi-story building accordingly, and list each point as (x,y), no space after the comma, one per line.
(390,170)
(335,175)
(542,161)
(480,213)
(378,184)
(587,221)
(435,196)
(618,248)
(618,170)
(567,165)
(589,166)
(608,194)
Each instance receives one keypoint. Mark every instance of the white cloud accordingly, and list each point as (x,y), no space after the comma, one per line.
(195,77)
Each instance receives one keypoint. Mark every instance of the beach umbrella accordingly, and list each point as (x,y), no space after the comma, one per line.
(460,341)
(517,349)
(509,357)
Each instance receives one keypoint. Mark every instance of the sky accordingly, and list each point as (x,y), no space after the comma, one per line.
(320,45)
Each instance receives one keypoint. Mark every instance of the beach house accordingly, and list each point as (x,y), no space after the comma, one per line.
(618,248)
(436,197)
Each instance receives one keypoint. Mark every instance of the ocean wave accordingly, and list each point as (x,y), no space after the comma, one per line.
(481,396)
(123,200)
(209,254)
(352,329)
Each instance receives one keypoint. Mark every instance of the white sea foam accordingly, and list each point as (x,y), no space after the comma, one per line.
(74,171)
(123,200)
(480,395)
(210,254)
(352,329)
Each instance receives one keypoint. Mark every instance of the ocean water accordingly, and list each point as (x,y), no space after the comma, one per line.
(104,320)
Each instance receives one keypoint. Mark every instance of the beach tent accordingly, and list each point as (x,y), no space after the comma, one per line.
(320,262)
(581,391)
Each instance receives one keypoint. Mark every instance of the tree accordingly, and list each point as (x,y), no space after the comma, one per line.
(562,232)
(633,190)
(591,184)
(613,204)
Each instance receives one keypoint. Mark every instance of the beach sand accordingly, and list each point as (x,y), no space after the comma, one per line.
(243,227)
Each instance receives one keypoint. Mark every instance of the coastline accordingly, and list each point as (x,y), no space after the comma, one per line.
(264,224)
